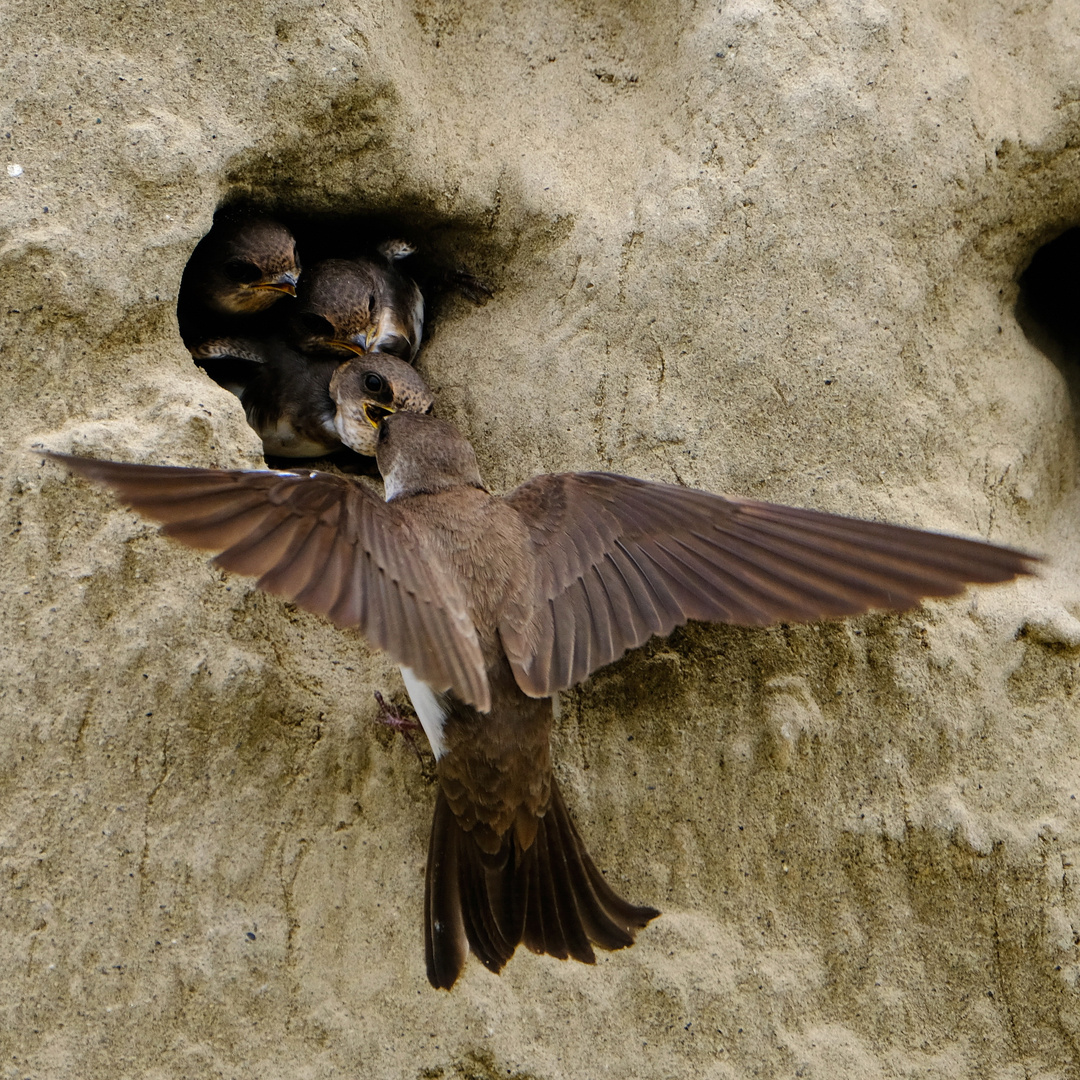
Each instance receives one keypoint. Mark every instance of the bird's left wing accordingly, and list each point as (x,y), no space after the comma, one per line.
(618,560)
(324,542)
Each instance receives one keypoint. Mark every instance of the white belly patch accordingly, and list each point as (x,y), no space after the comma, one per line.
(428,708)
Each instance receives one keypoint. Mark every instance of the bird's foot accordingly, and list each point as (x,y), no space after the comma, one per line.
(390,716)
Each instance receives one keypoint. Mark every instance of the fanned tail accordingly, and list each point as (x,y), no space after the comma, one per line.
(549,896)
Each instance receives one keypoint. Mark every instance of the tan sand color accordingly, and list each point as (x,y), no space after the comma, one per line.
(763,247)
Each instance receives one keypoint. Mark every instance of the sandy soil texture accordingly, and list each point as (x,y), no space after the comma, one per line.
(768,247)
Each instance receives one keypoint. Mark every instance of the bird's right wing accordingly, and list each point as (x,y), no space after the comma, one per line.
(618,560)
(324,542)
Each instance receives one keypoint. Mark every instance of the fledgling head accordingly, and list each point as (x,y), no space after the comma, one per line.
(355,306)
(369,388)
(245,265)
(419,454)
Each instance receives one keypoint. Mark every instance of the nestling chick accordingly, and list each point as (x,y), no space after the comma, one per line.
(239,270)
(362,305)
(370,388)
(303,406)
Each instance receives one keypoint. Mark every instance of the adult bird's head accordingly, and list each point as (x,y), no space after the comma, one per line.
(419,454)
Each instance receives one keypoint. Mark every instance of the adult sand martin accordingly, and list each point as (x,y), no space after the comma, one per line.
(350,306)
(242,267)
(491,604)
(289,396)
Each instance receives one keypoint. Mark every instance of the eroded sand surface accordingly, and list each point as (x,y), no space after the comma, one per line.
(771,250)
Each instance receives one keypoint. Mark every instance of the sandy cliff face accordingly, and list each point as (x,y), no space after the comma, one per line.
(770,249)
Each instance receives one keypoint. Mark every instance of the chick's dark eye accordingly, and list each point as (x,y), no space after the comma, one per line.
(241,271)
(316,324)
(374,383)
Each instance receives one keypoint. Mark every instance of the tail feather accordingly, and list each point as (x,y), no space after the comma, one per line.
(479,919)
(528,882)
(446,941)
(612,916)
(508,902)
(549,897)
(594,912)
(575,934)
(551,935)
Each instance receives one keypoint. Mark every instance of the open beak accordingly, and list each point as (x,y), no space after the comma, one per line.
(376,413)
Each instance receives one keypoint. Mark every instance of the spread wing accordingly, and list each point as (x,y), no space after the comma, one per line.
(327,544)
(618,560)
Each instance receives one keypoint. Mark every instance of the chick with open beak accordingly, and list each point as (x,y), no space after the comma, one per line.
(369,388)
(364,305)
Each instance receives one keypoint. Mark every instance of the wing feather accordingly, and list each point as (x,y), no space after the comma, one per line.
(324,589)
(618,560)
(326,543)
(302,563)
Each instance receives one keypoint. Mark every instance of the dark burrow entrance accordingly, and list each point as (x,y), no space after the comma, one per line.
(1048,307)
(452,262)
